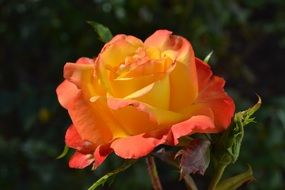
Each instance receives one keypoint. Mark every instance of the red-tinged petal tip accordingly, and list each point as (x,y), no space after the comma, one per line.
(72,138)
(213,96)
(158,38)
(80,161)
(196,124)
(137,146)
(100,154)
(67,90)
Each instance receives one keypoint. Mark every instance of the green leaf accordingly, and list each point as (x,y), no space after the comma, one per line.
(103,32)
(245,117)
(227,146)
(64,152)
(241,119)
(207,58)
(106,177)
(235,182)
(230,142)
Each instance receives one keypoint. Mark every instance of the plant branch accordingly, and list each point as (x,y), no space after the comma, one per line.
(217,176)
(151,167)
(190,182)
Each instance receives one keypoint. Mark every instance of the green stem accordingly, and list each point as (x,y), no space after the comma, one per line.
(217,176)
(151,167)
(190,182)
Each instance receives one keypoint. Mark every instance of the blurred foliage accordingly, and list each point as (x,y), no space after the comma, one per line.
(37,37)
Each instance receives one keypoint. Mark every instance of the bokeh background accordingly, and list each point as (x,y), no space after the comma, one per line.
(38,36)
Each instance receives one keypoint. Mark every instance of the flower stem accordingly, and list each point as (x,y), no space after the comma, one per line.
(151,167)
(217,176)
(190,182)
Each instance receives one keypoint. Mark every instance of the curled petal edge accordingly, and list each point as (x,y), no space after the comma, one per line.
(80,161)
(137,146)
(67,90)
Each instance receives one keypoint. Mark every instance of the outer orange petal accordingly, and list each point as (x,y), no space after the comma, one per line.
(66,92)
(134,147)
(74,140)
(78,75)
(212,95)
(88,122)
(196,124)
(83,76)
(100,154)
(137,146)
(80,161)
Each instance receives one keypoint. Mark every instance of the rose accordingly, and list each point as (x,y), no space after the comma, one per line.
(137,95)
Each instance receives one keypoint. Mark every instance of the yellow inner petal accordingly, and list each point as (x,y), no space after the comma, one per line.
(159,95)
(183,87)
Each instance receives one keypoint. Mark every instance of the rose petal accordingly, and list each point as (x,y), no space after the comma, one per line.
(78,73)
(100,154)
(93,120)
(179,47)
(158,39)
(212,95)
(184,74)
(140,145)
(184,87)
(156,94)
(141,92)
(66,92)
(122,87)
(72,138)
(80,161)
(114,53)
(196,124)
(223,110)
(134,121)
(198,109)
(160,116)
(137,146)
(82,75)
(112,56)
(148,67)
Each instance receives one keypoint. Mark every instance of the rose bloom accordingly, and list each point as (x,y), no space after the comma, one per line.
(135,96)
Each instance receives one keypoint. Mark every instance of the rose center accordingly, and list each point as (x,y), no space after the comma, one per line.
(145,61)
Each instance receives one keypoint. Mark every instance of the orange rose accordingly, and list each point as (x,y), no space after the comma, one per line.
(137,95)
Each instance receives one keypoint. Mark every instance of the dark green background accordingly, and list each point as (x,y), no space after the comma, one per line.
(38,36)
